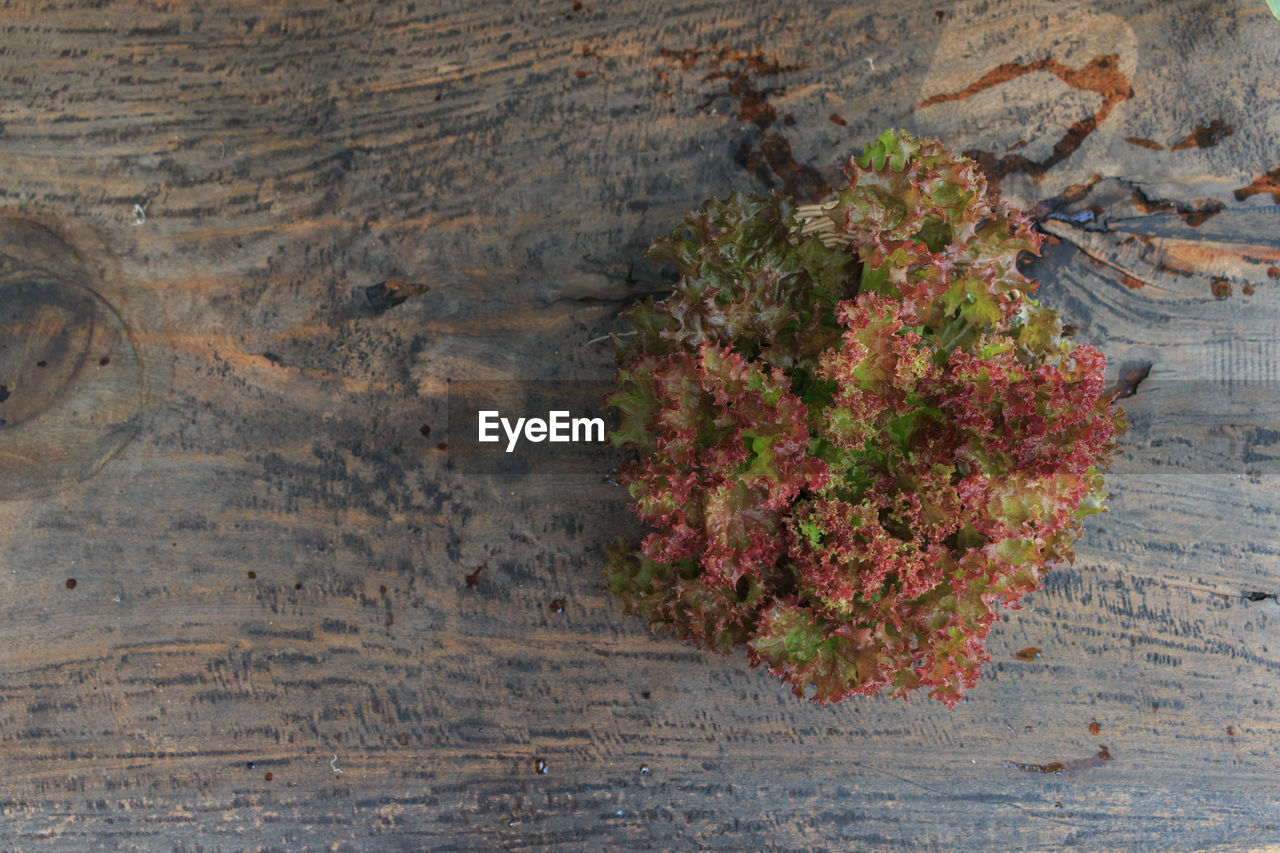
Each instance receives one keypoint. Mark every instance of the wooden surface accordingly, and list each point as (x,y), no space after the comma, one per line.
(271,642)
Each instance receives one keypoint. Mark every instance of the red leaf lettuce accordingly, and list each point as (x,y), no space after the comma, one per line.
(858,434)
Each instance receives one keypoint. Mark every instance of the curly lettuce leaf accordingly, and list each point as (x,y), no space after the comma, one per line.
(858,435)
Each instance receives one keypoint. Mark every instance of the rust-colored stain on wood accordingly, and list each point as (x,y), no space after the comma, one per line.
(1237,758)
(768,154)
(1268,183)
(1070,195)
(1198,216)
(590,51)
(1165,267)
(1221,289)
(1194,213)
(394,291)
(1100,75)
(1029,653)
(1142,142)
(1205,136)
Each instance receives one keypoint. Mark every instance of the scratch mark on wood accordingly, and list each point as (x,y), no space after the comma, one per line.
(1102,756)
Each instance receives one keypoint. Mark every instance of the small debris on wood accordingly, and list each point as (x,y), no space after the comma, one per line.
(473,578)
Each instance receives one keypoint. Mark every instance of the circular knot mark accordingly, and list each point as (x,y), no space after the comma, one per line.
(73,384)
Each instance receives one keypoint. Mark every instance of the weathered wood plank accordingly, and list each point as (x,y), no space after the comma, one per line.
(271,575)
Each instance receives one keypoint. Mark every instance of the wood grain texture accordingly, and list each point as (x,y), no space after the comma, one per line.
(270,578)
